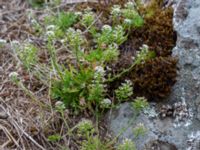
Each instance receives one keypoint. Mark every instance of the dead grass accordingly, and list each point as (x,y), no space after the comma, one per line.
(25,124)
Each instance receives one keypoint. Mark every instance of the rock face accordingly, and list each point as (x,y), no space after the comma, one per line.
(179,129)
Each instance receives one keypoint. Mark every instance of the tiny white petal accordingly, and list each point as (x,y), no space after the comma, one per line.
(51,27)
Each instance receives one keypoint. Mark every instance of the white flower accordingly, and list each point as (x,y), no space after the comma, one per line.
(108,68)
(144,46)
(133,58)
(50,27)
(127,144)
(70,30)
(113,46)
(60,106)
(99,69)
(14,42)
(127,141)
(50,33)
(128,21)
(130,5)
(106,103)
(79,31)
(62,40)
(119,27)
(59,103)
(13,76)
(116,10)
(33,21)
(107,28)
(85,125)
(128,82)
(2,41)
(78,13)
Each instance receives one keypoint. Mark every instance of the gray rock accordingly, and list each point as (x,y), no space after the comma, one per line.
(172,133)
(198,107)
(159,145)
(159,130)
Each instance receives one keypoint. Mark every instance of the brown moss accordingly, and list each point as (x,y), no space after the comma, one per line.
(157,31)
(155,78)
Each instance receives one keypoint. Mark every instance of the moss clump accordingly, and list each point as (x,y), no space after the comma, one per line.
(157,31)
(155,78)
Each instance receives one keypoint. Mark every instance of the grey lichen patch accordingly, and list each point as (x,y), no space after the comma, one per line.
(194,141)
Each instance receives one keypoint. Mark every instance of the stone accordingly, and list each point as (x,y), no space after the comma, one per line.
(123,120)
(159,145)
(198,107)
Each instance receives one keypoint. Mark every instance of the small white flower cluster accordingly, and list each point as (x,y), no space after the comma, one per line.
(116,10)
(145,47)
(113,46)
(111,53)
(50,27)
(60,106)
(85,125)
(140,125)
(75,37)
(106,28)
(78,13)
(33,22)
(127,144)
(50,30)
(128,21)
(99,75)
(130,5)
(87,18)
(99,72)
(105,103)
(15,44)
(111,35)
(14,76)
(50,33)
(140,103)
(119,31)
(119,34)
(139,130)
(124,91)
(129,15)
(142,55)
(127,82)
(126,141)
